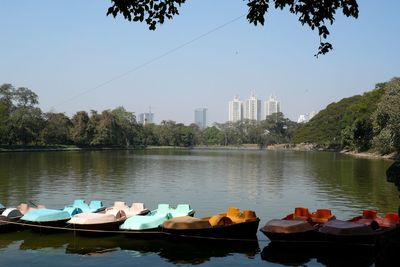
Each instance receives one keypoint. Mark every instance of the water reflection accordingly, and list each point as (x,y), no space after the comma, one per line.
(328,256)
(174,252)
(270,182)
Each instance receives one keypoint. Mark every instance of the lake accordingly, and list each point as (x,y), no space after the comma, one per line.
(270,182)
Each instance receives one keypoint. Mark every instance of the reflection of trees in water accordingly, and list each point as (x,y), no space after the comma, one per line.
(18,172)
(356,180)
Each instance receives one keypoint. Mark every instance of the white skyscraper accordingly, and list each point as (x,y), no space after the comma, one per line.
(146,118)
(252,108)
(271,106)
(235,110)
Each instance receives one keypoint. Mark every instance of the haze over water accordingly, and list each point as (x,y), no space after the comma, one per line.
(270,182)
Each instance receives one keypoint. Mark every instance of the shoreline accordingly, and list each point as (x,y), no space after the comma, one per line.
(277,147)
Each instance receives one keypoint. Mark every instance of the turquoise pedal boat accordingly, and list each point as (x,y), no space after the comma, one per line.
(151,222)
(59,217)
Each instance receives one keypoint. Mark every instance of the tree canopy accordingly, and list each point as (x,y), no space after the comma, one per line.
(315,14)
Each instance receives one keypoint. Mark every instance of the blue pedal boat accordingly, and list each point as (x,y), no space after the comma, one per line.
(58,217)
(149,225)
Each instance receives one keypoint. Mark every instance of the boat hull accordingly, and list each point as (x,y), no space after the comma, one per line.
(8,224)
(151,233)
(236,232)
(97,229)
(312,236)
(47,226)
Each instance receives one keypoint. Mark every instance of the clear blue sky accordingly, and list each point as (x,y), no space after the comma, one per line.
(60,49)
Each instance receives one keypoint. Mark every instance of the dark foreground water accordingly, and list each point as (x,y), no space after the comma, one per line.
(270,182)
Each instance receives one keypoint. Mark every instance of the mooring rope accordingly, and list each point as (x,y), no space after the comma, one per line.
(68,228)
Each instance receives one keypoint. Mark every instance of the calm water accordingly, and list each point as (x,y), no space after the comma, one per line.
(270,182)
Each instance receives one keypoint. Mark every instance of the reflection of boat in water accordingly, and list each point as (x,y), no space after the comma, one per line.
(230,226)
(291,255)
(175,252)
(34,241)
(189,252)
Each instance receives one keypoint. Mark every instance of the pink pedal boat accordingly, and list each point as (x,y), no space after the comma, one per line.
(107,221)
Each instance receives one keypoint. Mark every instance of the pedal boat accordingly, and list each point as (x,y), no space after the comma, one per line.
(149,225)
(108,220)
(299,227)
(9,216)
(2,208)
(369,229)
(59,217)
(232,225)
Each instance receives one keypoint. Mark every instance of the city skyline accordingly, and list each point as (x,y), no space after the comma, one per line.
(72,66)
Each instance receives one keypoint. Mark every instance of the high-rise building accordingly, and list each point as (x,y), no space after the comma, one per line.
(200,117)
(235,110)
(252,108)
(303,118)
(271,106)
(146,118)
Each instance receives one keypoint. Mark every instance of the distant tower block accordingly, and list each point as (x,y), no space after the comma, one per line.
(252,108)
(235,110)
(200,117)
(271,106)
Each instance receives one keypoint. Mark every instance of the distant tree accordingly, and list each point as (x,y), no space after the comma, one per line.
(56,128)
(213,136)
(126,129)
(24,126)
(79,130)
(21,118)
(314,14)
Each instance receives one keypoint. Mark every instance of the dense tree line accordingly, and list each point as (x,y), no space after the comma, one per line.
(364,122)
(23,123)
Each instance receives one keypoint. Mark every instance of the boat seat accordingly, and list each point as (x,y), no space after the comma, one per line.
(137,208)
(390,220)
(322,216)
(301,213)
(218,220)
(181,210)
(369,214)
(249,215)
(120,205)
(233,212)
(78,203)
(163,208)
(95,205)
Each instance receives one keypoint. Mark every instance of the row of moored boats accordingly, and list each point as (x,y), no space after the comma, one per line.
(136,220)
